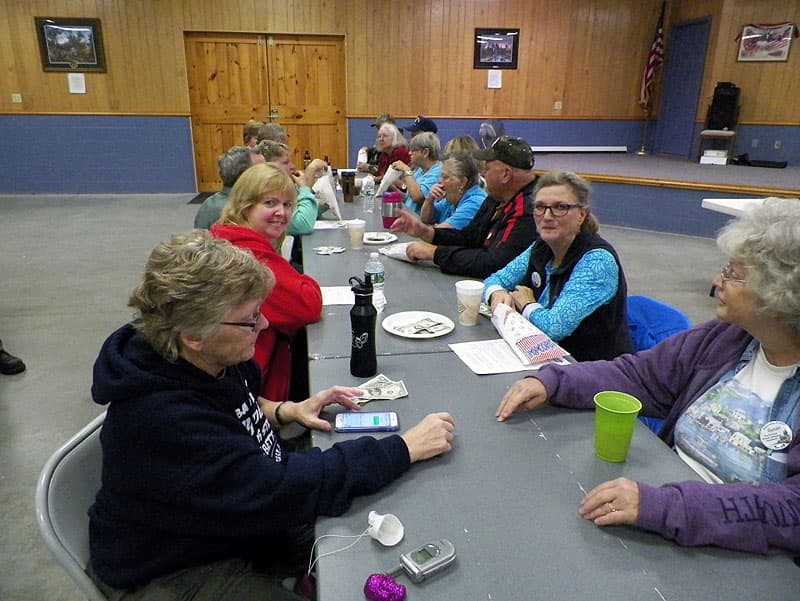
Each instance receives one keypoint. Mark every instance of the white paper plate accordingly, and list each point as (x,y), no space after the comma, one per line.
(379,238)
(418,324)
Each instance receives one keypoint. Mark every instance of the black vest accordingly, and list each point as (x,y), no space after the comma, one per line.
(602,335)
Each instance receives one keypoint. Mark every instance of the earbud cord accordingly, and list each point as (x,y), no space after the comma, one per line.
(358,537)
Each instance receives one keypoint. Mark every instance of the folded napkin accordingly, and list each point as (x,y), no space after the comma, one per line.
(398,251)
(390,177)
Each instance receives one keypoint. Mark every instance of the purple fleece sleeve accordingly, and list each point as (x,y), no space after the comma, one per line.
(743,517)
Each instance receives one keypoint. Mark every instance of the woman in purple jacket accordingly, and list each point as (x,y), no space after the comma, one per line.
(729,392)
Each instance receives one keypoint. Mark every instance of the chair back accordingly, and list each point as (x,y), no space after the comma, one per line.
(66,489)
(651,321)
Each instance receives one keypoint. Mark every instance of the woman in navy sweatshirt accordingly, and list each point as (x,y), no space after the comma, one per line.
(197,494)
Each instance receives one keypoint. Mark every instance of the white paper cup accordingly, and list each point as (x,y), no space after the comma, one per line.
(355,227)
(468,294)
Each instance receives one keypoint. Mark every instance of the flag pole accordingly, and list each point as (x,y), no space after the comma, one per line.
(654,59)
(643,150)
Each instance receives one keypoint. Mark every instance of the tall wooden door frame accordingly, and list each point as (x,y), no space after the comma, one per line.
(234,77)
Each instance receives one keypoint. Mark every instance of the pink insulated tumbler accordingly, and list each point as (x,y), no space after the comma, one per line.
(391,202)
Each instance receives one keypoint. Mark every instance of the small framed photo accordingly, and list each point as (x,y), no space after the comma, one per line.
(496,49)
(759,43)
(70,44)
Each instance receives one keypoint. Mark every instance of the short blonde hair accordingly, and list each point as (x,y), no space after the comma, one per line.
(250,188)
(190,284)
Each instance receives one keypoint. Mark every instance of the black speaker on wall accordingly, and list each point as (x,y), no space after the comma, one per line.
(724,110)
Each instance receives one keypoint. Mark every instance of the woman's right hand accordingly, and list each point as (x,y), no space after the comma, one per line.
(501,297)
(408,223)
(527,393)
(430,437)
(437,192)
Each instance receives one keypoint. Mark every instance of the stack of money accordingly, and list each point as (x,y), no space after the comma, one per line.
(381,388)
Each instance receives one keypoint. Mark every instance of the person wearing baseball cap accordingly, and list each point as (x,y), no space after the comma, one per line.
(381,119)
(502,228)
(422,124)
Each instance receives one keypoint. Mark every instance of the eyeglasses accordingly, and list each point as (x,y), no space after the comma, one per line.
(245,324)
(557,210)
(727,276)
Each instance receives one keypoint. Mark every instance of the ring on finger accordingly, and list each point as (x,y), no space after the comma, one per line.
(611,508)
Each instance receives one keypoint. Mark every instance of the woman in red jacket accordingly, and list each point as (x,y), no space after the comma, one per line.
(258,212)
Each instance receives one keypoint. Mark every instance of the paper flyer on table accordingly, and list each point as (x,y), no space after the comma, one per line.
(522,347)
(337,295)
(327,224)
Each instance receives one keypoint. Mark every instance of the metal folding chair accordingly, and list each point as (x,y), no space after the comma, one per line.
(66,489)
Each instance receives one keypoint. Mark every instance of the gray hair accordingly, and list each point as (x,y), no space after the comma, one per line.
(397,137)
(580,188)
(271,150)
(427,140)
(190,284)
(274,132)
(767,241)
(463,164)
(233,163)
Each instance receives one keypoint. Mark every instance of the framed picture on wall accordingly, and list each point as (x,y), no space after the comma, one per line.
(70,44)
(758,43)
(496,49)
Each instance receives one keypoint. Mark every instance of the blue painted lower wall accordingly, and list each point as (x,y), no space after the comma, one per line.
(146,155)
(659,209)
(537,133)
(595,133)
(95,155)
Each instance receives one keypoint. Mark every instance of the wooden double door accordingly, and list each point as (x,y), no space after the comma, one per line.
(295,81)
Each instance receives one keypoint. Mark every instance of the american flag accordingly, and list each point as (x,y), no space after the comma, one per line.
(539,348)
(654,60)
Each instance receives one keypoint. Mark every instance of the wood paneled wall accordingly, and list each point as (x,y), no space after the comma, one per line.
(406,56)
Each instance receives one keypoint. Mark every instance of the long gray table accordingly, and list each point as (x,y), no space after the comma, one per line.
(507,496)
(408,287)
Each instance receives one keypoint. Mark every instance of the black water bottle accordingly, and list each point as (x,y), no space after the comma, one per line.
(363,362)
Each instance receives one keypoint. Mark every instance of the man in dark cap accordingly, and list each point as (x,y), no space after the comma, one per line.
(502,228)
(422,124)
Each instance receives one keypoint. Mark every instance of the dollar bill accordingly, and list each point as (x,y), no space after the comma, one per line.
(421,326)
(382,388)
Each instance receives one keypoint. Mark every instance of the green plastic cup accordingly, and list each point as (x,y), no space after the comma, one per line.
(614,419)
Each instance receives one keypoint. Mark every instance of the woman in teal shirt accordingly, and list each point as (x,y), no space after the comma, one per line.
(453,202)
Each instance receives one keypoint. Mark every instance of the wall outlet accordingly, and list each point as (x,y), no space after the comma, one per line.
(754,143)
(558,105)
(777,145)
(16,98)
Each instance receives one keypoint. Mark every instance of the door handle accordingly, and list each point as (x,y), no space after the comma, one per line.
(273,114)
